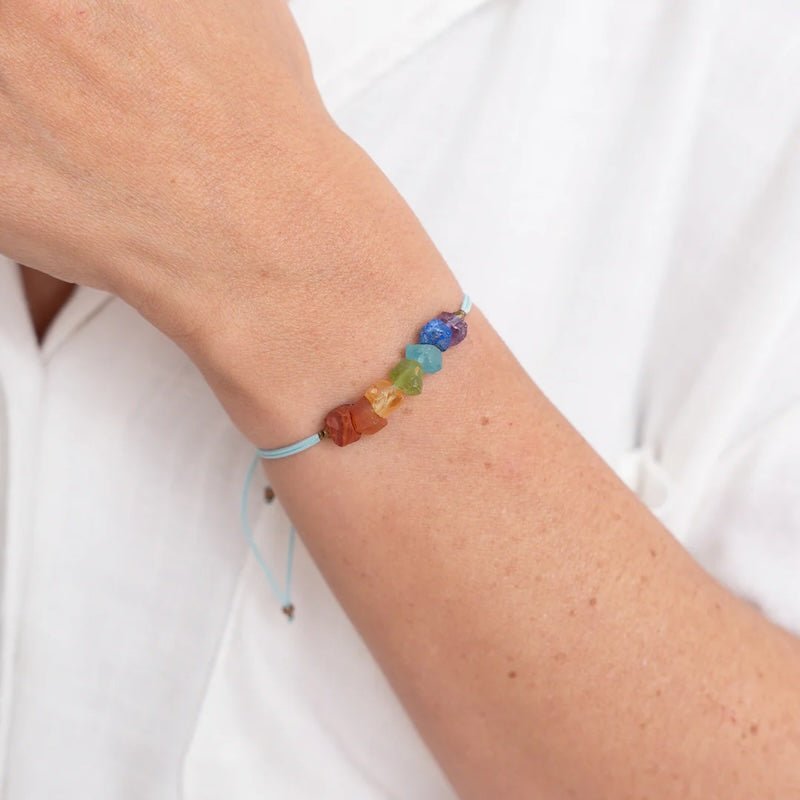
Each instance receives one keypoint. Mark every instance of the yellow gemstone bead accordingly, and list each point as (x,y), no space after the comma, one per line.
(384,397)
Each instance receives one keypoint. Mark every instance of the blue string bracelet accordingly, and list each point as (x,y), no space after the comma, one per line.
(348,422)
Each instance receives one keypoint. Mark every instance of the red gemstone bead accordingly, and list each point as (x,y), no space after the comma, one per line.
(365,420)
(339,426)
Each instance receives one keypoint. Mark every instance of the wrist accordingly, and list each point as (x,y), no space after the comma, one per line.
(336,313)
(278,375)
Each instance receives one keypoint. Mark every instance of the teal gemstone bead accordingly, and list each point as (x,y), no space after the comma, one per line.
(406,375)
(429,355)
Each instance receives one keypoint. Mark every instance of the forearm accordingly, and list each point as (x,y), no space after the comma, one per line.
(545,632)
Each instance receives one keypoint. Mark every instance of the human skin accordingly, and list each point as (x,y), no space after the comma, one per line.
(45,295)
(545,632)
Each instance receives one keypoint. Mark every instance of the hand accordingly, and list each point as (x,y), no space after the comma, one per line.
(138,141)
(179,156)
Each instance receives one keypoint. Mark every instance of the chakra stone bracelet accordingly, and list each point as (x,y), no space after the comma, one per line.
(348,422)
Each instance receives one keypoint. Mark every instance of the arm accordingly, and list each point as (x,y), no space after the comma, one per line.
(545,632)
(548,636)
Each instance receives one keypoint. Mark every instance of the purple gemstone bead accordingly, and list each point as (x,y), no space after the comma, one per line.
(457,324)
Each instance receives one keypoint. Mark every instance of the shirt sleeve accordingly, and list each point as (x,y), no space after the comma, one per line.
(745,527)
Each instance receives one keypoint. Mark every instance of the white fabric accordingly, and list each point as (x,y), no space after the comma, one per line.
(617,185)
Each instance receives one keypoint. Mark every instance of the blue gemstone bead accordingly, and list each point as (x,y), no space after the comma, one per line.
(437,332)
(428,355)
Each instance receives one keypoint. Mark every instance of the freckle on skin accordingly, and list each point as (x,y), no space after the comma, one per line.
(592,601)
(754,729)
(512,674)
(487,464)
(572,612)
(652,552)
(484,420)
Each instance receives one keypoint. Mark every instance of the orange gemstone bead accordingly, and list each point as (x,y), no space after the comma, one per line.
(339,426)
(384,397)
(365,420)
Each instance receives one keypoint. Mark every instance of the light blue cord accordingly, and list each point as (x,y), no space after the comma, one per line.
(290,449)
(284,597)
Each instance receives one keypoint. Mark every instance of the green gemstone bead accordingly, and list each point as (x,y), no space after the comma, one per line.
(429,355)
(406,375)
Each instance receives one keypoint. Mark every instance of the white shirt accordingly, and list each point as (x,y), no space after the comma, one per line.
(617,185)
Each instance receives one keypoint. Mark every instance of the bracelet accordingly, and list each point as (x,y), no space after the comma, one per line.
(346,423)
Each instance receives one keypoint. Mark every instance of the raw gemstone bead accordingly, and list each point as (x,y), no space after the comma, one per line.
(429,355)
(407,375)
(365,420)
(339,426)
(436,331)
(457,324)
(384,397)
